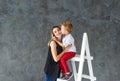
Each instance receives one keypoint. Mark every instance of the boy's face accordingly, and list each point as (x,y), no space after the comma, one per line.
(63,30)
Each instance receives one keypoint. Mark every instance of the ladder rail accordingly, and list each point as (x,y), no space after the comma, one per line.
(89,60)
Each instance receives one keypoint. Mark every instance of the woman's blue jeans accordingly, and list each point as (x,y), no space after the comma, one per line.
(48,78)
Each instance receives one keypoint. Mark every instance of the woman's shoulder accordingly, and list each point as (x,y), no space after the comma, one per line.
(52,42)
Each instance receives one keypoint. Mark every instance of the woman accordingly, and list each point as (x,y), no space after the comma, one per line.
(55,52)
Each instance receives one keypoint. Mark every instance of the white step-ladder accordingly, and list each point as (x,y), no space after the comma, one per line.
(80,58)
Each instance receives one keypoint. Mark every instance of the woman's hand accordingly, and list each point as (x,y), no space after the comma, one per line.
(55,39)
(67,48)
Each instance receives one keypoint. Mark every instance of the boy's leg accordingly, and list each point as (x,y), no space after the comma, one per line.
(64,59)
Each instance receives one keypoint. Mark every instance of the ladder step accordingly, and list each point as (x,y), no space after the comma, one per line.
(88,77)
(59,79)
(77,58)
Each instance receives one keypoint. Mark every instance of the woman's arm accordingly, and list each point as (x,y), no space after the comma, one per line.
(56,56)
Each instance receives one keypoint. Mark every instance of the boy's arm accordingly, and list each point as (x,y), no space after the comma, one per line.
(69,41)
(59,42)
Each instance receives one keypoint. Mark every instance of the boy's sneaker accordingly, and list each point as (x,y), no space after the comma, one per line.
(63,75)
(68,76)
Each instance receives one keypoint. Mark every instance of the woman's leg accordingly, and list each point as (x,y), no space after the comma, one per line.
(48,78)
(58,75)
(64,59)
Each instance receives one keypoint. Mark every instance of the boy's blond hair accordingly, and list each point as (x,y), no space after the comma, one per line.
(68,26)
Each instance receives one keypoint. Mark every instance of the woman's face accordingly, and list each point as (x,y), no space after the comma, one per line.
(57,32)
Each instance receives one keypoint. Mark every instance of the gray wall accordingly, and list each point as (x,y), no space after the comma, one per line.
(25,31)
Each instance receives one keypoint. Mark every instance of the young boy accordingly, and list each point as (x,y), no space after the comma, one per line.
(66,28)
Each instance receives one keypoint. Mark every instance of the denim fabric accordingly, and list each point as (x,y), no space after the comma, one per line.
(48,78)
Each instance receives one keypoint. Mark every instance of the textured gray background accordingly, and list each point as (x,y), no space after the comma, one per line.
(25,31)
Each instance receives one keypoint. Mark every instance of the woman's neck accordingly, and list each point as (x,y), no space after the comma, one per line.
(59,38)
